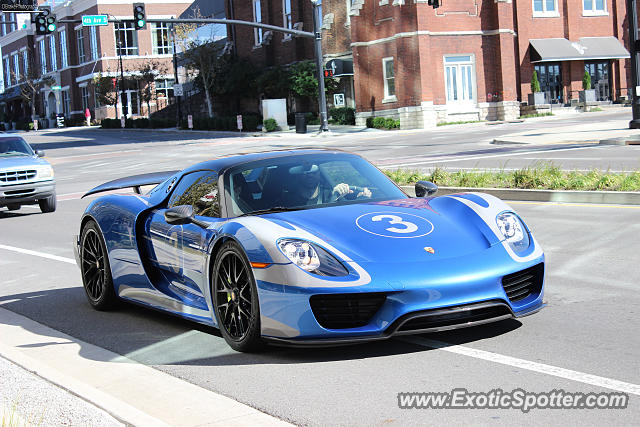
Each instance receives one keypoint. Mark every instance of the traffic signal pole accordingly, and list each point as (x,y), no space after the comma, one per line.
(322,99)
(632,16)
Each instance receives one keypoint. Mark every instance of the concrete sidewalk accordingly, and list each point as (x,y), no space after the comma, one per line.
(593,132)
(127,391)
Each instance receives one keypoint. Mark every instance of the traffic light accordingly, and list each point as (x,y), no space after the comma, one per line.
(328,73)
(139,16)
(45,22)
(434,3)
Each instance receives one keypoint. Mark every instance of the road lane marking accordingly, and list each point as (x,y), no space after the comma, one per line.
(528,365)
(581,205)
(38,254)
(459,159)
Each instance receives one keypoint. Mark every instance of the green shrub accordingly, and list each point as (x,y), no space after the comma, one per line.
(343,116)
(369,122)
(535,84)
(141,123)
(158,123)
(586,80)
(390,123)
(270,125)
(379,122)
(110,123)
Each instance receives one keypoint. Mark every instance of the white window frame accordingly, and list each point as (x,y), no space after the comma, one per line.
(84,97)
(93,43)
(156,48)
(53,53)
(16,66)
(162,90)
(545,13)
(7,72)
(66,103)
(126,26)
(593,11)
(63,49)
(388,97)
(25,62)
(257,17)
(82,57)
(287,18)
(461,103)
(43,57)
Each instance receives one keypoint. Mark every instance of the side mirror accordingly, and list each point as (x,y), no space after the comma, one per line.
(179,215)
(183,214)
(40,153)
(425,188)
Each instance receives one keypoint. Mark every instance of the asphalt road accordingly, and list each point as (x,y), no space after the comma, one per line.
(585,340)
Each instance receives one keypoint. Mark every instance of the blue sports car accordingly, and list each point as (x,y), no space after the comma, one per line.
(307,247)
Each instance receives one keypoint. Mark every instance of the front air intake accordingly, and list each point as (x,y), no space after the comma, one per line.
(526,282)
(343,311)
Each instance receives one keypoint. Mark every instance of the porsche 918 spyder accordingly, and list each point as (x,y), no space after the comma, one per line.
(307,247)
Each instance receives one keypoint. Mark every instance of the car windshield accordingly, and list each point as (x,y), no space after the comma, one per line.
(14,146)
(304,182)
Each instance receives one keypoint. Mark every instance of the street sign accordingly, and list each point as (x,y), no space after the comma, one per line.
(56,87)
(239,120)
(338,99)
(94,20)
(190,121)
(178,90)
(60,120)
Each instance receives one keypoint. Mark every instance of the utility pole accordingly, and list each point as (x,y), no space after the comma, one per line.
(125,109)
(322,99)
(632,16)
(175,76)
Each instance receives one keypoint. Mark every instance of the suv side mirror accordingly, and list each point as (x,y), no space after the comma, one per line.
(40,153)
(425,188)
(183,214)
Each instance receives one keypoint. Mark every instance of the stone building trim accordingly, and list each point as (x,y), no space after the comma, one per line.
(436,34)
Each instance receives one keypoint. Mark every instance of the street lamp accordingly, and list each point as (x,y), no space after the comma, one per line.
(175,75)
(632,16)
(322,100)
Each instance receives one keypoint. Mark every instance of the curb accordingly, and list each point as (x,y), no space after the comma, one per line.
(131,392)
(562,196)
(629,140)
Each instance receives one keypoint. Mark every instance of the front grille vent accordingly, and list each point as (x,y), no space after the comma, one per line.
(17,176)
(526,282)
(342,311)
(457,316)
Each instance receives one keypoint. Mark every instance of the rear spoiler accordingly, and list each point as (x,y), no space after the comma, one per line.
(134,182)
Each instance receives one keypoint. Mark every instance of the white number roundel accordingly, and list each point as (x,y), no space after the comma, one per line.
(394,224)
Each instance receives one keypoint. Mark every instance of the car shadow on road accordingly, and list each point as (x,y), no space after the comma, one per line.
(155,338)
(16,214)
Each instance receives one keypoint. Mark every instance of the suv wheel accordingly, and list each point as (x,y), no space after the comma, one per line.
(48,205)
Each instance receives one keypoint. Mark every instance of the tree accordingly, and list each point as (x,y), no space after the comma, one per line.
(275,82)
(535,84)
(304,82)
(586,80)
(146,79)
(106,90)
(32,82)
(203,60)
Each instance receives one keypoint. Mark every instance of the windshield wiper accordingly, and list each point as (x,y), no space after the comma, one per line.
(272,210)
(13,153)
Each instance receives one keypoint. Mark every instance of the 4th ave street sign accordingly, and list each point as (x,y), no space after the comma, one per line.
(94,20)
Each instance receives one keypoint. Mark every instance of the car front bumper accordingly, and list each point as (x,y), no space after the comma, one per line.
(26,194)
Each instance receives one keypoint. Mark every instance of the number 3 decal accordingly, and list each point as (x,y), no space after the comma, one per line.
(396,225)
(409,227)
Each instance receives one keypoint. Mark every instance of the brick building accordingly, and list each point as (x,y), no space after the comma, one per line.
(74,55)
(474,59)
(266,49)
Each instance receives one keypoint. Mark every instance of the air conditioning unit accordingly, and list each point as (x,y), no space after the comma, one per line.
(266,38)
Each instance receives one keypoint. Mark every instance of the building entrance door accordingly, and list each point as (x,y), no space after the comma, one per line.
(550,78)
(600,78)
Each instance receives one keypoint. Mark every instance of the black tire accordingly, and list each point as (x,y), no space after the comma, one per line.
(235,299)
(95,269)
(48,205)
(13,207)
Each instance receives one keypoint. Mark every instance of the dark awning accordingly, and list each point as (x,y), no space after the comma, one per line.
(10,94)
(588,48)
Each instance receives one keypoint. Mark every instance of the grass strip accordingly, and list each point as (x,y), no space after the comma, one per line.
(542,176)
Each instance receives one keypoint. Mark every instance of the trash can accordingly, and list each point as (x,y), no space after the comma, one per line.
(301,123)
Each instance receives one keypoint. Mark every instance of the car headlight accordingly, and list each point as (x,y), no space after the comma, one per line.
(312,258)
(513,231)
(45,171)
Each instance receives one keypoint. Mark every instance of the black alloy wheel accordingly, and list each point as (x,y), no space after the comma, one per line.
(95,268)
(235,299)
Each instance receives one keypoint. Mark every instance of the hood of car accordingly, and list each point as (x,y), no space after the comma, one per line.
(21,162)
(405,230)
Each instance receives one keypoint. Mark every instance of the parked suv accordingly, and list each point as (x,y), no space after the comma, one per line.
(25,178)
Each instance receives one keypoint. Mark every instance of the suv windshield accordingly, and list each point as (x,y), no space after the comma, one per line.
(14,146)
(306,181)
